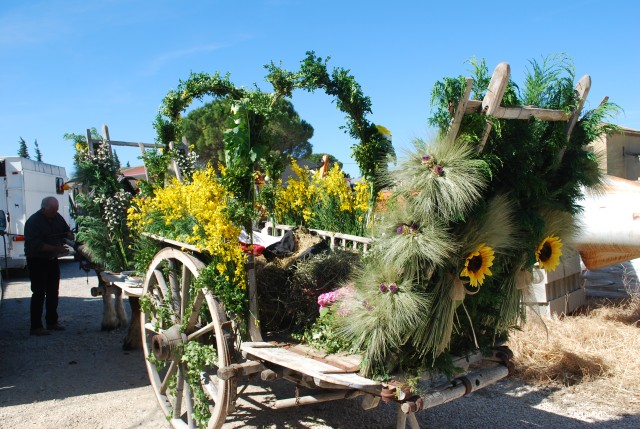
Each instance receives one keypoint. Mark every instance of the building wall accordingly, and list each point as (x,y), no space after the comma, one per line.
(620,154)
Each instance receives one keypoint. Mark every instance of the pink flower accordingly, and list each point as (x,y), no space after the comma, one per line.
(328,298)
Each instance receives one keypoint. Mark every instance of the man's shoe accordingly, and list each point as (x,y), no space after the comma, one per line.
(55,327)
(39,332)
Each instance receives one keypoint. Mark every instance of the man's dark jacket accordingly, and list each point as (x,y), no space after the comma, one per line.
(39,230)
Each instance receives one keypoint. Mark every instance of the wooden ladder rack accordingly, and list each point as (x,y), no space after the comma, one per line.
(490,105)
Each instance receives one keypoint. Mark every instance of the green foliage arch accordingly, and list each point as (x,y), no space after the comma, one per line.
(372,152)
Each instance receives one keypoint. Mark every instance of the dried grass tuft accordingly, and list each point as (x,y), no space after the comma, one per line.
(288,288)
(596,353)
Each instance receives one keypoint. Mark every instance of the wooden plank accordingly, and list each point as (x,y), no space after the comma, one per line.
(346,363)
(582,89)
(143,153)
(130,289)
(174,165)
(493,97)
(105,138)
(519,112)
(497,87)
(90,142)
(522,112)
(174,243)
(254,316)
(308,366)
(457,118)
(311,399)
(129,144)
(473,106)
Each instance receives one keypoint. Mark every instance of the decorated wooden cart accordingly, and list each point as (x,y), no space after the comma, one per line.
(184,321)
(328,377)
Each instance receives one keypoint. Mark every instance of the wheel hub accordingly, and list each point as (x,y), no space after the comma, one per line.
(165,345)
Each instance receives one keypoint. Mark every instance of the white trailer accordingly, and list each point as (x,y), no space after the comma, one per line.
(23,185)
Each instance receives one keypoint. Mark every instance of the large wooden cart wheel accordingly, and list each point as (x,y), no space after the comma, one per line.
(171,321)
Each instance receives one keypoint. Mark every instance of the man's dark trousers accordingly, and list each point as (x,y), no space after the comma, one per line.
(45,281)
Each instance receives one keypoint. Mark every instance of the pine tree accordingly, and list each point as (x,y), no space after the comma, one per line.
(22,150)
(116,160)
(38,153)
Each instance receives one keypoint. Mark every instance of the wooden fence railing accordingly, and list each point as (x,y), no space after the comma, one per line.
(344,241)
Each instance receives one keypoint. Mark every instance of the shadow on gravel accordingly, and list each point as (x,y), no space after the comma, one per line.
(84,360)
(78,361)
(490,407)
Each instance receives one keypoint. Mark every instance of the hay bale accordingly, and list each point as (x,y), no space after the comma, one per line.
(288,288)
(592,353)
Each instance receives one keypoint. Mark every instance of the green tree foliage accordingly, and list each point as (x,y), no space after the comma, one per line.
(23,151)
(38,152)
(287,132)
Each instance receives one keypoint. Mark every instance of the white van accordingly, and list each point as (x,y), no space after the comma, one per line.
(23,185)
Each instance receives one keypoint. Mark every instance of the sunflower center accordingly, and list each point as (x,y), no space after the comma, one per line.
(475,263)
(545,252)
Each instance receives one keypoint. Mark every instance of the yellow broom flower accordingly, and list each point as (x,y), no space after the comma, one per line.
(549,252)
(477,265)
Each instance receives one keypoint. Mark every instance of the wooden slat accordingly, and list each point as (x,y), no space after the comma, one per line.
(308,366)
(129,144)
(129,289)
(105,138)
(521,112)
(518,112)
(174,243)
(254,312)
(582,89)
(347,363)
(457,118)
(473,106)
(90,142)
(493,97)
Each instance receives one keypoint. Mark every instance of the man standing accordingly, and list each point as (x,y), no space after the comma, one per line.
(44,233)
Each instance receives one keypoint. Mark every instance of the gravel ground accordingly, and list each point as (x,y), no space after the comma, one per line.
(81,378)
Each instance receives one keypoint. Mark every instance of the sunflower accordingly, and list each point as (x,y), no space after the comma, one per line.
(549,252)
(477,265)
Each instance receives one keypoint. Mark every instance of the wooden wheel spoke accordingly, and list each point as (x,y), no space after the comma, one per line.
(210,385)
(167,378)
(161,283)
(177,403)
(176,301)
(185,280)
(195,311)
(151,327)
(188,396)
(207,328)
(165,294)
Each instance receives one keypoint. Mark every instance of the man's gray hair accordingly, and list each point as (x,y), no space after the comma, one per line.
(46,201)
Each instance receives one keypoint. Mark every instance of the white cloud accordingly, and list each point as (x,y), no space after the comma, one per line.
(160,60)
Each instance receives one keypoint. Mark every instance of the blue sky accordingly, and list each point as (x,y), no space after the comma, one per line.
(66,66)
